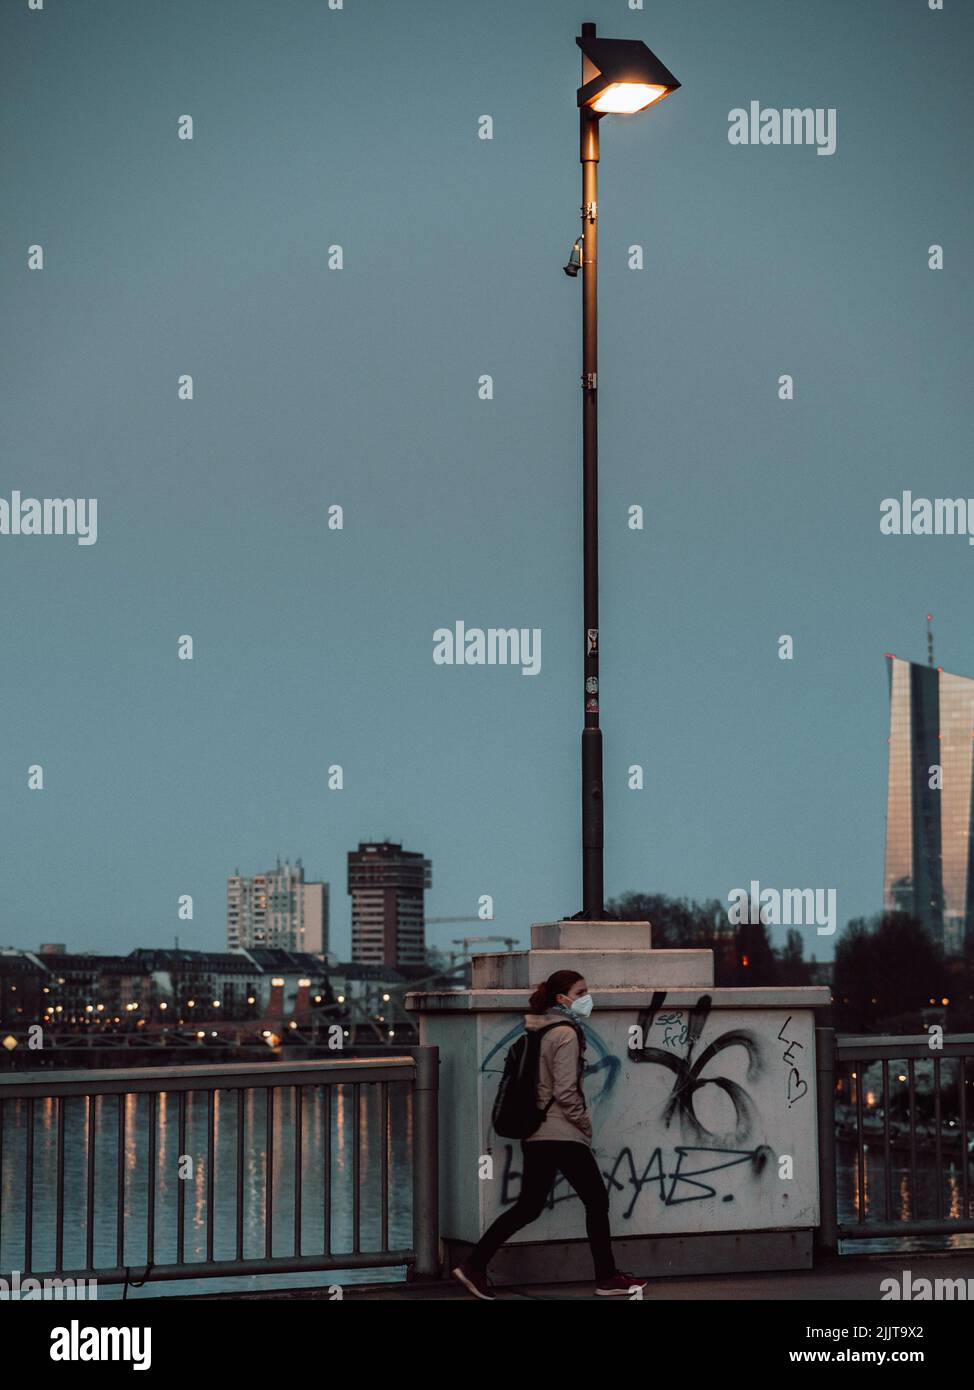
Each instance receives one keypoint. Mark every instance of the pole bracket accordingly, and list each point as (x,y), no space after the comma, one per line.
(589,212)
(590,381)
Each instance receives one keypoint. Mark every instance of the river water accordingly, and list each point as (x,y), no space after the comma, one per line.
(168,1182)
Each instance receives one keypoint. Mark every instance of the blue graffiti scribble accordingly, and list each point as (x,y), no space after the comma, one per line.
(605,1063)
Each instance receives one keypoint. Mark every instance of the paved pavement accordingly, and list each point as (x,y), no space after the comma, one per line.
(832,1280)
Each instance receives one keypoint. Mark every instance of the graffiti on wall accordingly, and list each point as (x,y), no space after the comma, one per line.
(796,1086)
(698,1128)
(674,1184)
(688,1070)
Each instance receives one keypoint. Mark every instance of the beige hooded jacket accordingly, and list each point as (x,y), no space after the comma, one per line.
(558,1077)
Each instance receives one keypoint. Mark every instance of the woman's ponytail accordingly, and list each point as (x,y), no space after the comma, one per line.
(547,992)
(538,1003)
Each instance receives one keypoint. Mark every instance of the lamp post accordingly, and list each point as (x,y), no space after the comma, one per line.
(619,77)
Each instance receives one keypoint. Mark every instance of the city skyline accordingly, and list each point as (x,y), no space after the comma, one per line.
(897,895)
(360,387)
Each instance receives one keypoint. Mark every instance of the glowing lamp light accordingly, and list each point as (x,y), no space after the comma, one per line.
(626,98)
(621,76)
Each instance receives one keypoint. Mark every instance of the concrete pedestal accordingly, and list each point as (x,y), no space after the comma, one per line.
(702,1100)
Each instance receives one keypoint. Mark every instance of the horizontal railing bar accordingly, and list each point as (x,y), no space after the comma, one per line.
(860,1039)
(885,1047)
(210,1078)
(211,1269)
(903,1229)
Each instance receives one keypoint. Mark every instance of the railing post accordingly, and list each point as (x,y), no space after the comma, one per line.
(827,1240)
(426,1215)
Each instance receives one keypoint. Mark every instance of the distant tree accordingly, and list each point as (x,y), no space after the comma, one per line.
(886,967)
(743,954)
(792,967)
(754,961)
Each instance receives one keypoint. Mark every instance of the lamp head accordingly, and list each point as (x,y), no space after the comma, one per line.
(575,259)
(620,76)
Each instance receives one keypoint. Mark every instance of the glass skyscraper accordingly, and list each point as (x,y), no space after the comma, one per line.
(929,861)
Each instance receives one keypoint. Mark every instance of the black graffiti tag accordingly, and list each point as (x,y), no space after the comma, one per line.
(679,1176)
(688,1082)
(796,1087)
(674,1187)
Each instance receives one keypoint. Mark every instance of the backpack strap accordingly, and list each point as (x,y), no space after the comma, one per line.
(570,1023)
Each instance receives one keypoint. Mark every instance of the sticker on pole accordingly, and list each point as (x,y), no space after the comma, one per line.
(592,641)
(592,685)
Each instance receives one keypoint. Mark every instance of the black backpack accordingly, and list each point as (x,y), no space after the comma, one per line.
(516,1113)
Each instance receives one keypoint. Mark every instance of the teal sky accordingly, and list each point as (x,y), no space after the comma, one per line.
(359,387)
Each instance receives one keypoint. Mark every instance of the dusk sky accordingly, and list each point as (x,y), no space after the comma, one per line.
(358,386)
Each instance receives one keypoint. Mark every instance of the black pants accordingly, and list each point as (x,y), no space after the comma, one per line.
(541,1160)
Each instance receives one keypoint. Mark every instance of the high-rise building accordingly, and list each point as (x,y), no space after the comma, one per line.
(387,884)
(277,909)
(929,845)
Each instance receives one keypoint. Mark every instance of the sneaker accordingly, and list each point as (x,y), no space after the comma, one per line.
(478,1284)
(620,1285)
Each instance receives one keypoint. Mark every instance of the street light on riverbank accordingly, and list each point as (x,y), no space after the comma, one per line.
(619,77)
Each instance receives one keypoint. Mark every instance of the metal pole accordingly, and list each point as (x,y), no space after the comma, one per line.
(827,1242)
(592,804)
(426,1221)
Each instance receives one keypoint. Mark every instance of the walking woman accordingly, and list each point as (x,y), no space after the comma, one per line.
(562,1143)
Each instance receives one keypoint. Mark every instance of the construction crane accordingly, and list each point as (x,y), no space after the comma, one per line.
(452,955)
(466,941)
(361,1014)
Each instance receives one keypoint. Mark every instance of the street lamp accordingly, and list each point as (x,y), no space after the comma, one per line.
(619,77)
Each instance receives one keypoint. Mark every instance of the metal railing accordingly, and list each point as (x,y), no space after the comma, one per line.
(937,1145)
(313,1119)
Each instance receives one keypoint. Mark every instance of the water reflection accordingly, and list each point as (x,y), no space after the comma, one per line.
(325,1129)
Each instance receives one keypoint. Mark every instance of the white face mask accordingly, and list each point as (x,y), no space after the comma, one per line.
(582,1005)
